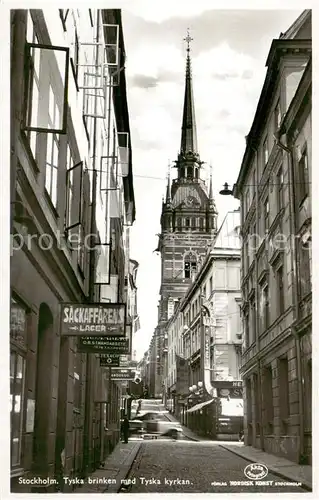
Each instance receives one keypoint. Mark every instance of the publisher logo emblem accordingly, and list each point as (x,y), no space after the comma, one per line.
(256,471)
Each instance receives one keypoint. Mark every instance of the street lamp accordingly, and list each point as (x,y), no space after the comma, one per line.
(226,191)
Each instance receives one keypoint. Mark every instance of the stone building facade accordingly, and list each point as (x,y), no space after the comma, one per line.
(71,178)
(273,186)
(217,284)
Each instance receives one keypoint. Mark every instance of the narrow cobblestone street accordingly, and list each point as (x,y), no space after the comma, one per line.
(189,467)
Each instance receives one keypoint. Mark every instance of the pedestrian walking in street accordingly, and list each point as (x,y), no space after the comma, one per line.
(125,429)
(139,406)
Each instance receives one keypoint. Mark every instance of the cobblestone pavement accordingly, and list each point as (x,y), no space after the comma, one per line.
(190,467)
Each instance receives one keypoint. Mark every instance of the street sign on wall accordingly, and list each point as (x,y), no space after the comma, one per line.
(103,345)
(122,374)
(103,319)
(110,359)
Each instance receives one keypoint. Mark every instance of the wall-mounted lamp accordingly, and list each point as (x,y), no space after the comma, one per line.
(226,191)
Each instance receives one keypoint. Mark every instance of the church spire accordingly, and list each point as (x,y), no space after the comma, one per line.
(168,188)
(189,136)
(211,184)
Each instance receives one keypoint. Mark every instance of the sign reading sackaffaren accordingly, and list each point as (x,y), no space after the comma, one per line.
(101,319)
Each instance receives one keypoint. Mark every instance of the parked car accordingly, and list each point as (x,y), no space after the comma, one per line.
(136,427)
(158,423)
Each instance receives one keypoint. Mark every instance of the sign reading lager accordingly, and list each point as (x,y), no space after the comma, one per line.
(102,319)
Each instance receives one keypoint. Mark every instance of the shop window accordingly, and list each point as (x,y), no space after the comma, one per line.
(18,329)
(18,323)
(17,369)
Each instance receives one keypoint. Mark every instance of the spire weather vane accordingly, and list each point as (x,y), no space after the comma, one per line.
(188,39)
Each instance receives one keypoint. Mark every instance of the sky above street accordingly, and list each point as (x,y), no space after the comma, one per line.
(228,54)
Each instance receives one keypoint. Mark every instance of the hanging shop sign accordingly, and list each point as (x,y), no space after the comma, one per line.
(227,388)
(103,345)
(103,319)
(122,374)
(110,359)
(227,384)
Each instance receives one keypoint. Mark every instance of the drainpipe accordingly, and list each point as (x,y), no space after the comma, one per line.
(293,232)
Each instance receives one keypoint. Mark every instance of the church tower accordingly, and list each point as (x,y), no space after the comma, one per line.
(189,215)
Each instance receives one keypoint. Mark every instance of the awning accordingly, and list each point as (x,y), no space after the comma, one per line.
(199,406)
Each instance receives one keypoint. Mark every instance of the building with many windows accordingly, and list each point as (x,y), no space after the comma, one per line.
(273,186)
(209,361)
(72,203)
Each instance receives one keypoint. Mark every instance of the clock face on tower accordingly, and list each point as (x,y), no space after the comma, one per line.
(190,201)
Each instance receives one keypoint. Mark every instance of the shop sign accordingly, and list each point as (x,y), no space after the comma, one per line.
(207,347)
(110,359)
(103,319)
(227,384)
(122,374)
(103,345)
(234,392)
(227,388)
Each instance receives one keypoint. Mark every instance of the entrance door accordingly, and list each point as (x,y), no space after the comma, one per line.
(43,389)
